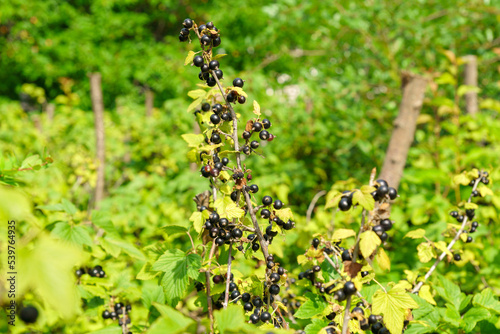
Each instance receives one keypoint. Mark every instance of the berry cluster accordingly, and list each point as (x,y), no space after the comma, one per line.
(97,271)
(117,310)
(382,193)
(215,165)
(222,230)
(209,34)
(256,126)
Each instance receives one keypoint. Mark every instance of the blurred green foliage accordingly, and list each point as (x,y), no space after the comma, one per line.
(326,74)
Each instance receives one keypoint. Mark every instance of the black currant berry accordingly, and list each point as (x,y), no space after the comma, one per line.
(382,191)
(281,271)
(113,315)
(270,232)
(245,149)
(219,241)
(118,307)
(254,144)
(257,302)
(376,328)
(198,61)
(183,38)
(217,279)
(251,236)
(454,214)
(349,288)
(219,74)
(216,42)
(204,69)
(218,165)
(241,99)
(340,295)
(184,32)
(358,310)
(264,135)
(288,225)
(238,82)
(246,135)
(278,204)
(257,126)
(346,256)
(384,237)
(386,224)
(203,76)
(470,213)
(231,97)
(214,217)
(381,183)
(265,316)
(475,224)
(393,193)
(234,196)
(274,277)
(201,28)
(315,242)
(255,247)
(216,139)
(79,272)
(235,294)
(331,316)
(225,161)
(344,204)
(266,123)
(237,233)
(274,289)
(248,306)
(210,25)
(364,273)
(485,180)
(245,297)
(475,193)
(215,119)
(372,319)
(214,64)
(364,325)
(254,318)
(267,200)
(211,82)
(106,314)
(378,229)
(265,213)
(316,269)
(460,218)
(384,330)
(188,23)
(457,257)
(469,239)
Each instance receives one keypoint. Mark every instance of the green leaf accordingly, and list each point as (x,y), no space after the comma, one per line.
(315,326)
(113,329)
(462,179)
(197,93)
(198,219)
(68,207)
(227,208)
(171,321)
(189,58)
(383,259)
(146,272)
(127,248)
(194,104)
(365,200)
(425,293)
(332,199)
(231,319)
(31,162)
(484,190)
(193,140)
(473,316)
(76,235)
(178,267)
(452,316)
(393,306)
(284,214)
(487,300)
(100,219)
(219,56)
(51,207)
(174,229)
(256,108)
(416,234)
(369,241)
(313,306)
(449,291)
(464,89)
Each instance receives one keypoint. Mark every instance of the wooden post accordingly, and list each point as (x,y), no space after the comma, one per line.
(404,128)
(470,79)
(98,108)
(149,101)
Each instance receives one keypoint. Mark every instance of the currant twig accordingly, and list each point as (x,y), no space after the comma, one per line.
(226,296)
(452,242)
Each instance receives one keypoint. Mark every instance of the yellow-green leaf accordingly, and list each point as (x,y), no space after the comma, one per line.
(193,140)
(332,199)
(369,241)
(367,189)
(197,93)
(425,252)
(219,56)
(462,179)
(189,58)
(425,293)
(194,104)
(284,214)
(383,260)
(341,233)
(442,246)
(365,200)
(256,108)
(393,305)
(198,219)
(416,234)
(240,91)
(484,190)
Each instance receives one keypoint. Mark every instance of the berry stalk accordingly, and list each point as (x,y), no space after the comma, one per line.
(452,242)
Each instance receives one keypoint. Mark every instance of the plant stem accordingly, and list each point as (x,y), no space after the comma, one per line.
(209,298)
(228,278)
(450,245)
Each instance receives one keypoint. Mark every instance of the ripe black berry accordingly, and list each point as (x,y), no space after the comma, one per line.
(364,273)
(469,239)
(265,213)
(264,135)
(344,204)
(204,69)
(198,61)
(372,319)
(247,306)
(460,218)
(384,330)
(340,295)
(457,257)
(384,236)
(382,191)
(216,139)
(214,64)
(255,247)
(265,316)
(113,315)
(219,241)
(245,149)
(225,161)
(475,193)
(214,217)
(211,82)
(346,256)
(234,196)
(376,328)
(470,213)
(254,144)
(216,42)
(245,297)
(217,279)
(381,183)
(210,25)
(266,123)
(231,97)
(274,289)
(475,224)
(257,127)
(270,232)
(281,271)
(106,314)
(219,74)
(246,135)
(358,310)
(118,306)
(251,236)
(378,229)
(393,193)
(267,200)
(485,180)
(203,76)
(215,119)
(349,288)
(316,268)
(454,214)
(183,38)
(254,318)
(184,32)
(288,225)
(257,302)
(241,99)
(315,242)
(218,165)
(79,272)
(278,204)
(235,294)
(386,224)
(331,316)
(274,277)
(188,23)
(201,28)
(237,233)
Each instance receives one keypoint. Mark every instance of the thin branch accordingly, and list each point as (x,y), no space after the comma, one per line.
(380,285)
(209,298)
(192,242)
(313,204)
(228,276)
(450,245)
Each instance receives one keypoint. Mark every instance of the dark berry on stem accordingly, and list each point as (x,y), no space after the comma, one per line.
(358,310)
(331,316)
(214,64)
(364,273)
(241,99)
(393,193)
(384,236)
(231,97)
(257,302)
(316,268)
(460,218)
(118,306)
(349,288)
(211,82)
(201,28)
(254,318)
(340,295)
(257,126)
(267,200)
(215,119)
(238,82)
(205,40)
(219,74)
(454,214)
(381,183)
(198,61)
(288,225)
(188,23)
(372,319)
(225,161)
(274,289)
(457,257)
(270,264)
(246,135)
(281,271)
(278,204)
(382,191)
(216,139)
(274,277)
(386,224)
(245,297)
(210,25)
(204,69)
(265,316)
(106,314)
(234,196)
(264,135)
(255,247)
(265,213)
(219,241)
(384,330)
(251,236)
(475,224)
(237,233)
(378,229)
(216,42)
(254,144)
(218,165)
(346,256)
(315,242)
(248,306)
(183,38)
(266,123)
(113,315)
(344,204)
(184,32)
(245,149)
(469,239)
(376,328)
(235,294)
